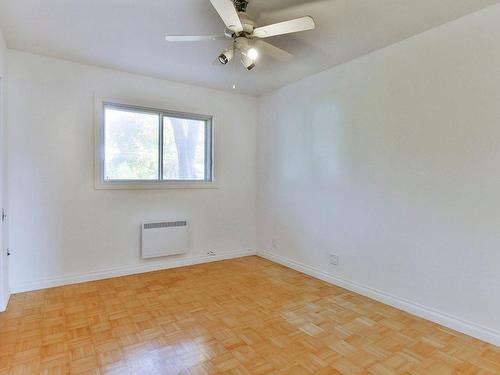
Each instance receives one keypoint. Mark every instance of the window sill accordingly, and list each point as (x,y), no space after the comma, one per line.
(135,185)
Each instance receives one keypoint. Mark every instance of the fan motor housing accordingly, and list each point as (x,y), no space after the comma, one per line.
(246,22)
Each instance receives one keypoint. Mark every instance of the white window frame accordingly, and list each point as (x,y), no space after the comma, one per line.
(102,183)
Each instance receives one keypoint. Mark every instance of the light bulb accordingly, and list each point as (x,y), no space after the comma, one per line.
(253,54)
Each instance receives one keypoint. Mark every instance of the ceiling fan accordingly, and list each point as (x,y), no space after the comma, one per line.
(245,36)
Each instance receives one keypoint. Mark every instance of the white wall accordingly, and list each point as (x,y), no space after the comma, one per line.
(392,161)
(60,226)
(4,271)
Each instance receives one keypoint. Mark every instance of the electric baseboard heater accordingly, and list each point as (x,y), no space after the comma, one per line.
(164,238)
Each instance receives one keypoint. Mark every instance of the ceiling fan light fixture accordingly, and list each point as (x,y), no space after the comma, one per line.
(226,56)
(247,62)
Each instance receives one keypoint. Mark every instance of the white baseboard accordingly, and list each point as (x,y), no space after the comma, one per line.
(444,319)
(4,303)
(126,270)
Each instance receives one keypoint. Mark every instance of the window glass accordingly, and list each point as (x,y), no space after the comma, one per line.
(131,145)
(184,150)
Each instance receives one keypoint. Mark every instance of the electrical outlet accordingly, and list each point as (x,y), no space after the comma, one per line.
(334,259)
(211,253)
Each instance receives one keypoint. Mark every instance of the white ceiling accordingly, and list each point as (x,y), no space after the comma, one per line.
(128,34)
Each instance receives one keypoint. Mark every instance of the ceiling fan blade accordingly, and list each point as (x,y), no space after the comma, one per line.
(273,51)
(287,27)
(192,38)
(228,13)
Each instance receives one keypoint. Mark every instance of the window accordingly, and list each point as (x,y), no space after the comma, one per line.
(144,147)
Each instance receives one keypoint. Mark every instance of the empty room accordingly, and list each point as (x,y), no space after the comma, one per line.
(269,187)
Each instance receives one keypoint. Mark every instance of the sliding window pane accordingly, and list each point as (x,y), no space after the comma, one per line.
(131,150)
(185,149)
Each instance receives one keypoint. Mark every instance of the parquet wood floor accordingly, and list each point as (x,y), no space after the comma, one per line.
(242,316)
